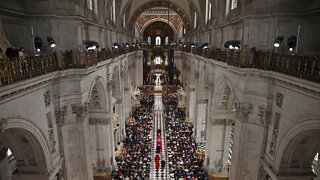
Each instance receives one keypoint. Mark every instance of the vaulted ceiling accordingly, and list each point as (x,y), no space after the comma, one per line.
(184,8)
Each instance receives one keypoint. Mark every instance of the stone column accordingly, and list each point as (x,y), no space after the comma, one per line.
(4,164)
(81,112)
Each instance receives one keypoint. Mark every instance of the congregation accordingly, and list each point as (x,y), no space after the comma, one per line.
(178,148)
(183,164)
(136,163)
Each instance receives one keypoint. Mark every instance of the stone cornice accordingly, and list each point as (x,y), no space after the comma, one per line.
(302,86)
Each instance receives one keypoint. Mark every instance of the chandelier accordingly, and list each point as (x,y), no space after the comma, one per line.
(131,121)
(200,153)
(121,153)
(188,121)
(181,104)
(136,103)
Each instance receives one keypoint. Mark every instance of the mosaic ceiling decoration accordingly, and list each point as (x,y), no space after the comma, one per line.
(159,13)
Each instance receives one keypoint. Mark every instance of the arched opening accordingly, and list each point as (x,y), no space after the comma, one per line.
(116,103)
(222,129)
(22,156)
(99,130)
(158,41)
(158,31)
(299,156)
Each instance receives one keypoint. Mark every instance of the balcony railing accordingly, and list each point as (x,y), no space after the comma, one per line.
(14,70)
(299,66)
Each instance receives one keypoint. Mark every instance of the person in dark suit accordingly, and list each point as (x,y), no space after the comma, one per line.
(158,148)
(163,164)
(12,52)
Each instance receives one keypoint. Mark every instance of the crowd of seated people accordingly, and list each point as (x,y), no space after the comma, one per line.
(136,164)
(182,161)
(146,99)
(169,99)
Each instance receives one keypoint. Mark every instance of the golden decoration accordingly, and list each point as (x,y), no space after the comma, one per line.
(121,153)
(188,121)
(131,121)
(200,153)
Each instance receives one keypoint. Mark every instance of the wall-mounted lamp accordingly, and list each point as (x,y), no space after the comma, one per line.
(51,42)
(292,42)
(204,46)
(37,43)
(232,44)
(92,45)
(278,41)
(116,45)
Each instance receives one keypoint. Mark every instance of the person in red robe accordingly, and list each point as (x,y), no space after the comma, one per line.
(157,161)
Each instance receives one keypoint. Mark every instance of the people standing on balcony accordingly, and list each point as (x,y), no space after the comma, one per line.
(12,52)
(22,52)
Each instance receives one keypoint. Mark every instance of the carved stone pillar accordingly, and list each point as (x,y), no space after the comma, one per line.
(239,150)
(81,116)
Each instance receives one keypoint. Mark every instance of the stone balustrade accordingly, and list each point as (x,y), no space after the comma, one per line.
(299,66)
(14,70)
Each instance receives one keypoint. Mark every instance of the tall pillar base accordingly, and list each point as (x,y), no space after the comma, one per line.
(102,176)
(218,176)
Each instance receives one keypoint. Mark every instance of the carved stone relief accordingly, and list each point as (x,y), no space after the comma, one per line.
(279,99)
(81,111)
(275,132)
(47,99)
(98,121)
(52,141)
(222,122)
(242,109)
(264,115)
(60,113)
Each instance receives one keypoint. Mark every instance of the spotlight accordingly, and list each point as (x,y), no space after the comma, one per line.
(92,45)
(233,44)
(51,42)
(204,46)
(116,45)
(38,43)
(278,41)
(292,42)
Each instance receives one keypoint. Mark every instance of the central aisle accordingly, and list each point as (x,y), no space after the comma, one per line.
(159,139)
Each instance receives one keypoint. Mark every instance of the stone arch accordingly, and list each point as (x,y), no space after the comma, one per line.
(97,94)
(152,4)
(223,124)
(116,93)
(298,148)
(158,19)
(28,145)
(224,94)
(98,125)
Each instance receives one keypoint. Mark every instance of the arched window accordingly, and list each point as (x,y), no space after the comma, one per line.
(210,13)
(114,11)
(89,4)
(149,40)
(195,20)
(207,12)
(158,40)
(234,4)
(167,40)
